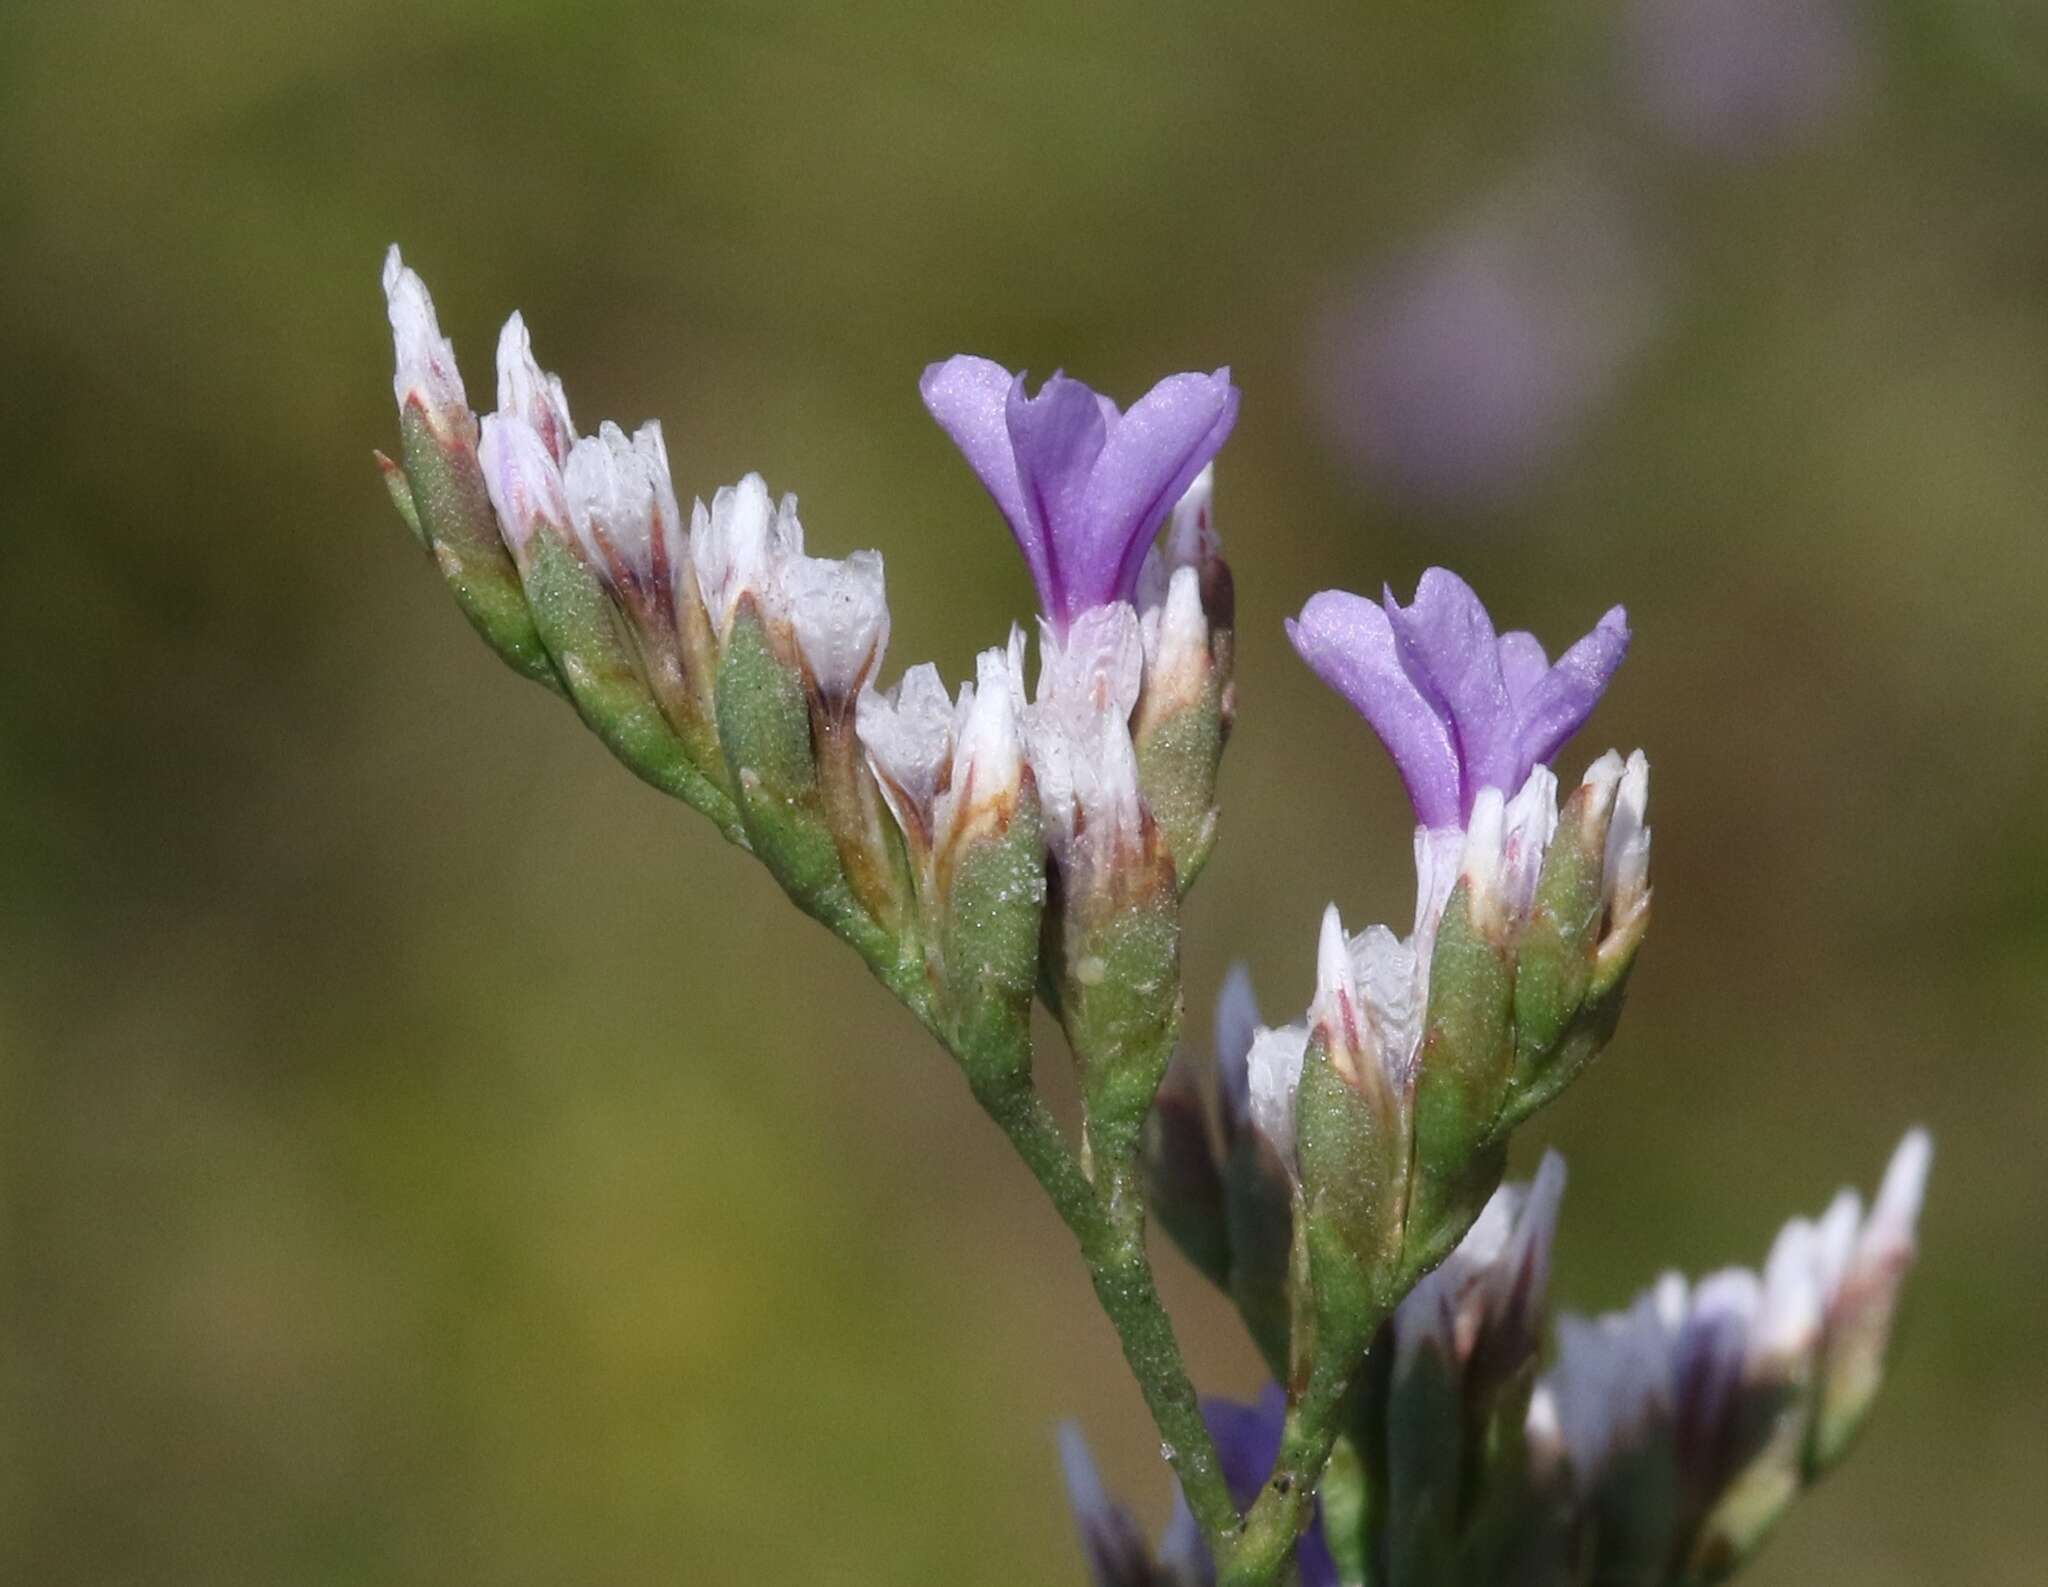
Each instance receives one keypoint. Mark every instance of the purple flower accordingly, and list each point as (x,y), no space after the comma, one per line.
(1247,1443)
(1084,486)
(1457,706)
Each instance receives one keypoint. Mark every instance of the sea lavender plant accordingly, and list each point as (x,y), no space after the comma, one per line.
(999,846)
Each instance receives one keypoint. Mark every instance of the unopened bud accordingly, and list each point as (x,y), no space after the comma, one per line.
(1586,919)
(1181,723)
(425,374)
(451,508)
(530,393)
(840,616)
(1864,1301)
(525,485)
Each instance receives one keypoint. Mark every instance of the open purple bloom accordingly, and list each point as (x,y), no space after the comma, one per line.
(1084,486)
(1457,706)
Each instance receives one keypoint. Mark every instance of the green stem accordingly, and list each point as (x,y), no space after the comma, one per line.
(1314,1418)
(1107,1218)
(1274,1526)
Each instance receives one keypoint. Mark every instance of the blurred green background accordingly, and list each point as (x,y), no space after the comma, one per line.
(431,1158)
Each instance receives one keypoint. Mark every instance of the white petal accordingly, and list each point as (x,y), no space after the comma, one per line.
(1388,985)
(1895,1214)
(841,616)
(1628,837)
(1788,1323)
(1835,1242)
(908,734)
(524,485)
(1529,823)
(527,391)
(1480,864)
(1175,636)
(1438,851)
(1334,1011)
(739,547)
(988,741)
(1191,537)
(613,499)
(425,358)
(1078,734)
(1274,1066)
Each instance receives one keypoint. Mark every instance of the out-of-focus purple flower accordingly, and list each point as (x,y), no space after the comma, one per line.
(1085,487)
(1111,1539)
(1456,375)
(1247,1443)
(1735,77)
(1743,1385)
(1458,707)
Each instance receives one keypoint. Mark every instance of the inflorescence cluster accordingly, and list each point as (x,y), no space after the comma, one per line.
(1003,845)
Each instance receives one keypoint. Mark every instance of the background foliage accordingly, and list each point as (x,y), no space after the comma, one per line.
(430,1158)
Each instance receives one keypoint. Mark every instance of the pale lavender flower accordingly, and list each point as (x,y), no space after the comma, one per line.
(1460,708)
(1084,487)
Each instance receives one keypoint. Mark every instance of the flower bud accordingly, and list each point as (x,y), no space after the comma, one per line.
(530,393)
(1078,735)
(1258,1177)
(1111,967)
(839,615)
(741,549)
(585,632)
(954,778)
(451,507)
(1585,921)
(1863,1300)
(1183,713)
(426,376)
(1691,1421)
(623,509)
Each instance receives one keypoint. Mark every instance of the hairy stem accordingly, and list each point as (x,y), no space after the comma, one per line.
(1107,1217)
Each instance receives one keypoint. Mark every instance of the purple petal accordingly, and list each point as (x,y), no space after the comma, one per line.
(1565,696)
(968,396)
(1523,664)
(1349,643)
(1116,1551)
(1446,644)
(1237,1022)
(1057,436)
(1154,453)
